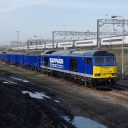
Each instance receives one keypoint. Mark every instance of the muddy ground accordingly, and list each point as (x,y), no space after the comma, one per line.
(106,109)
(18,109)
(109,108)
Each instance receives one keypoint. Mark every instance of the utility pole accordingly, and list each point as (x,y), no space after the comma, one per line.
(98,34)
(18,38)
(122,48)
(53,41)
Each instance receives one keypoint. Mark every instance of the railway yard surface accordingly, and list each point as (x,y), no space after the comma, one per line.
(33,100)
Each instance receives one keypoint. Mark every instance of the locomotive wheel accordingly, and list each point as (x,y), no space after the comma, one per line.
(79,81)
(85,83)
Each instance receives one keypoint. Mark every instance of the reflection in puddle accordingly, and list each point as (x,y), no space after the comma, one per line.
(81,122)
(36,95)
(57,101)
(5,82)
(19,79)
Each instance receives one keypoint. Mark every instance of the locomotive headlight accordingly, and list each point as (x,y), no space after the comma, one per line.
(97,74)
(114,74)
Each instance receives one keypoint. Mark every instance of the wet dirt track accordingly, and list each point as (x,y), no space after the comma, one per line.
(104,107)
(111,115)
(20,109)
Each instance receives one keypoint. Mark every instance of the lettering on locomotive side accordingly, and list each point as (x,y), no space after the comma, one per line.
(55,60)
(56,63)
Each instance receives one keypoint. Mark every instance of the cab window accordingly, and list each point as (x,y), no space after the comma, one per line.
(105,60)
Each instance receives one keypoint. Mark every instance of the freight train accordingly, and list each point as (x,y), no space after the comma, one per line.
(92,68)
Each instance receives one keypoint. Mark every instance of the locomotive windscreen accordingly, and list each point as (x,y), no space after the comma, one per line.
(105,60)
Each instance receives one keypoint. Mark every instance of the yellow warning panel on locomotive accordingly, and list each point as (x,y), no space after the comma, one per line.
(104,71)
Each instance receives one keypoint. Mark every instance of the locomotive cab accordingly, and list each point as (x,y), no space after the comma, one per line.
(104,67)
(100,67)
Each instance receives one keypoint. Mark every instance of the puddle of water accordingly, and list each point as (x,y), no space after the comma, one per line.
(5,82)
(81,122)
(15,78)
(57,101)
(36,95)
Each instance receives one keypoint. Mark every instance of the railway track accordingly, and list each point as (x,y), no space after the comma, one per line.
(120,87)
(118,93)
(121,97)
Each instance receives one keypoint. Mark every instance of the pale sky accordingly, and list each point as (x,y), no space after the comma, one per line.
(41,17)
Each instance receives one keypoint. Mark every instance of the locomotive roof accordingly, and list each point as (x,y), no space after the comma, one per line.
(82,53)
(47,52)
(63,52)
(92,53)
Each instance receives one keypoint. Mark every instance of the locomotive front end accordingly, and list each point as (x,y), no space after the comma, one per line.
(105,68)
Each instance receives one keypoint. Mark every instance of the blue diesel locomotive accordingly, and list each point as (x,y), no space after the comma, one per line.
(91,68)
